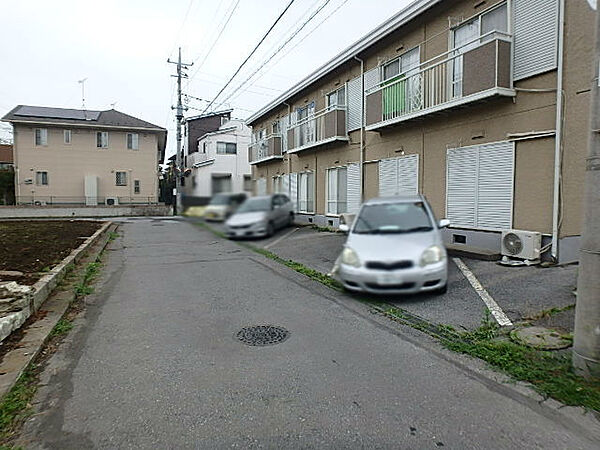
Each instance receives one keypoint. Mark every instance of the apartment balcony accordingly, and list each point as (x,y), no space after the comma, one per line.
(478,70)
(199,159)
(266,149)
(325,126)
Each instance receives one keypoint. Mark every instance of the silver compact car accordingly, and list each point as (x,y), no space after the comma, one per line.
(260,216)
(394,246)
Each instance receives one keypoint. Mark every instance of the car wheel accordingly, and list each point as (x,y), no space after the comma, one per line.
(442,290)
(291,220)
(270,229)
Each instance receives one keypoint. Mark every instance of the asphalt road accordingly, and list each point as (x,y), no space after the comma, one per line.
(155,364)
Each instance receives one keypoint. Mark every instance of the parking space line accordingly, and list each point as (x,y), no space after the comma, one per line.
(491,304)
(281,238)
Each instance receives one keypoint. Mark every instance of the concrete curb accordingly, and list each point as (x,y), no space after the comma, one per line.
(45,285)
(14,363)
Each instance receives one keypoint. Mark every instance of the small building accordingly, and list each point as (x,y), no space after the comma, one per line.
(71,156)
(220,162)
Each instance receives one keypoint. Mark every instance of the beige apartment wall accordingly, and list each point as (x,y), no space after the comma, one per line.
(578,76)
(68,164)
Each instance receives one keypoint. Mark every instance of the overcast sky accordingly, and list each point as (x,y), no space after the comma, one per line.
(121,47)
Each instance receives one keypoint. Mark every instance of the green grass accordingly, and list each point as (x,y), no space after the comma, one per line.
(15,406)
(112,235)
(62,327)
(550,373)
(547,313)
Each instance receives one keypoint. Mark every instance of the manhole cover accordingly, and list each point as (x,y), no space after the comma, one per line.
(262,335)
(541,338)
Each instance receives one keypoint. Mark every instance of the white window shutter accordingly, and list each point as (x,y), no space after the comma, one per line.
(283,126)
(294,190)
(535,37)
(353,188)
(480,186)
(285,184)
(461,186)
(388,177)
(495,185)
(354,104)
(408,175)
(372,78)
(261,186)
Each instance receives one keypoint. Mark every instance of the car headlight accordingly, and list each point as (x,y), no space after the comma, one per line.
(350,258)
(432,255)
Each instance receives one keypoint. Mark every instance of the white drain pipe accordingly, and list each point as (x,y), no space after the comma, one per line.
(559,131)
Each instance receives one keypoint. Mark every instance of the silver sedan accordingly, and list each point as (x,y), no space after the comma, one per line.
(394,246)
(260,217)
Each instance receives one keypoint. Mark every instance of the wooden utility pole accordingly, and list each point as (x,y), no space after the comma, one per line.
(179,116)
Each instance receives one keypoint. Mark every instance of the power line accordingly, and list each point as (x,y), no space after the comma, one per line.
(182,25)
(264,65)
(217,104)
(312,16)
(252,52)
(214,42)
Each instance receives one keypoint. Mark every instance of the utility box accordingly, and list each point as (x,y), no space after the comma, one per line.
(91,190)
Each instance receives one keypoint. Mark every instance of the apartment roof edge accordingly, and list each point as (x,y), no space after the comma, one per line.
(408,13)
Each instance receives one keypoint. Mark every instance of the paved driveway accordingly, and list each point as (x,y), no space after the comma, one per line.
(519,291)
(156,364)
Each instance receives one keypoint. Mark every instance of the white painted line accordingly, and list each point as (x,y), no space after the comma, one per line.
(491,304)
(281,238)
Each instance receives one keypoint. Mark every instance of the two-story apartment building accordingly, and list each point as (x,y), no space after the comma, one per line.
(481,105)
(69,156)
(220,162)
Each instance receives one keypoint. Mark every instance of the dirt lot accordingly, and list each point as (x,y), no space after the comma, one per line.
(33,247)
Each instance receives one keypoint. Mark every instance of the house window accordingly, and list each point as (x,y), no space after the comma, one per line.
(248,183)
(276,127)
(41,178)
(405,63)
(41,136)
(67,136)
(337,97)
(136,186)
(336,190)
(102,139)
(121,178)
(132,141)
(465,37)
(204,147)
(306,192)
(226,148)
(278,185)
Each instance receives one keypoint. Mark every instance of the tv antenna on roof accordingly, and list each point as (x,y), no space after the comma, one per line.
(112,105)
(82,82)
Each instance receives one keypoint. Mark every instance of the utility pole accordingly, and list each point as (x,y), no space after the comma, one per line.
(179,116)
(586,345)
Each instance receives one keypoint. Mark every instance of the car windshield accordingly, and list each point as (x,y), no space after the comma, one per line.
(220,199)
(393,218)
(255,204)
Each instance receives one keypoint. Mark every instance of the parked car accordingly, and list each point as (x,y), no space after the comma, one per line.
(394,246)
(260,216)
(221,206)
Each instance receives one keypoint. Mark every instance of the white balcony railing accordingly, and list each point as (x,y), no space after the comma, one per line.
(265,149)
(326,125)
(443,81)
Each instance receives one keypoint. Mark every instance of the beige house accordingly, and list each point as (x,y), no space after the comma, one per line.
(482,106)
(68,156)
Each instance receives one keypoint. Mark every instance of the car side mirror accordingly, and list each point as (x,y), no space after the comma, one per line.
(444,223)
(344,228)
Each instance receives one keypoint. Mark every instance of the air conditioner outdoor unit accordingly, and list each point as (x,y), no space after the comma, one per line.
(39,203)
(112,201)
(521,244)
